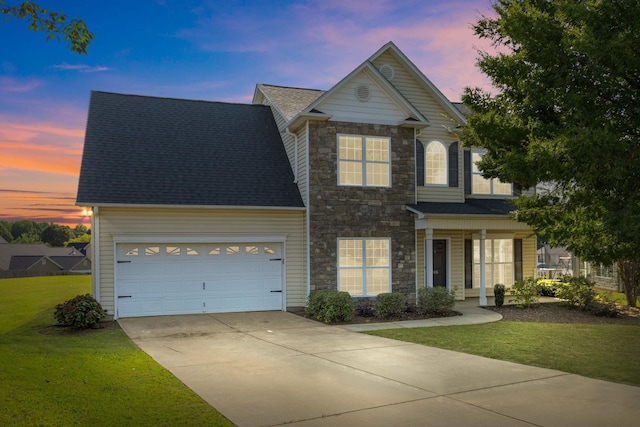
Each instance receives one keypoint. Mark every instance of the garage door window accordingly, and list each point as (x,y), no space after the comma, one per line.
(364,266)
(173,250)
(132,252)
(152,251)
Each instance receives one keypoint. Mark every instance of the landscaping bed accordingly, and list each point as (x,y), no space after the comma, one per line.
(558,312)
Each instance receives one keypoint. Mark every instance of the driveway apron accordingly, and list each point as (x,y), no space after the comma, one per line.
(276,368)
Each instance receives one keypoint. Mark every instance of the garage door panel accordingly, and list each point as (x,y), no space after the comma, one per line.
(171,278)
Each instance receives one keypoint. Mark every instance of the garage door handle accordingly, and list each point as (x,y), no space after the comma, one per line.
(124,296)
(276,291)
(275,259)
(124,262)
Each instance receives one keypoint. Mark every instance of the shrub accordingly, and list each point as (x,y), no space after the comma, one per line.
(80,312)
(548,287)
(498,293)
(525,292)
(364,307)
(330,306)
(391,305)
(578,292)
(435,300)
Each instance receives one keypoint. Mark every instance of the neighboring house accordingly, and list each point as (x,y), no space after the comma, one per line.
(27,259)
(555,262)
(212,207)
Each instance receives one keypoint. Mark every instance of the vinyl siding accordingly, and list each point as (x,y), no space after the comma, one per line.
(456,252)
(198,223)
(344,106)
(431,108)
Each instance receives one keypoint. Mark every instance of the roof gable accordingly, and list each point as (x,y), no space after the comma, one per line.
(161,151)
(340,103)
(390,50)
(289,101)
(381,102)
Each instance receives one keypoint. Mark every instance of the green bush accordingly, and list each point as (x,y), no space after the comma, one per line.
(330,306)
(80,312)
(578,292)
(525,292)
(548,287)
(498,293)
(436,300)
(391,305)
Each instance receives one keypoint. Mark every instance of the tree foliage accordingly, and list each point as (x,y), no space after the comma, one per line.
(56,235)
(567,115)
(55,24)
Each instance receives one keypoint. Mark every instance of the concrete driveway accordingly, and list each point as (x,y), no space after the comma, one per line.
(276,368)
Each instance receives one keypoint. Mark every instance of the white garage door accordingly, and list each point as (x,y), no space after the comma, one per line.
(157,279)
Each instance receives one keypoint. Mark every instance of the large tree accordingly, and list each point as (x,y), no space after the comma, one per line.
(55,24)
(566,115)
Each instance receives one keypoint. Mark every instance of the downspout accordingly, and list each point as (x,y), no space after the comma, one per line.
(306,202)
(295,140)
(95,262)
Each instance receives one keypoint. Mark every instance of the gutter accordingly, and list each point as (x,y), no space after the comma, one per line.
(295,141)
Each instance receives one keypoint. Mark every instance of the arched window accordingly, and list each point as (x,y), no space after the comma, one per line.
(436,163)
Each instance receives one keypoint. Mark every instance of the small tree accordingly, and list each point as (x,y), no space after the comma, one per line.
(56,235)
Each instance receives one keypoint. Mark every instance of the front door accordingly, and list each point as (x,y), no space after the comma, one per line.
(440,263)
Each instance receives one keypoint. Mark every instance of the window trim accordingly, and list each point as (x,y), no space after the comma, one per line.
(491,180)
(446,163)
(475,266)
(363,162)
(364,266)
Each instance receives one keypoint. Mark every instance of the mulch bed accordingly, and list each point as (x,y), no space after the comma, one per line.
(557,312)
(358,320)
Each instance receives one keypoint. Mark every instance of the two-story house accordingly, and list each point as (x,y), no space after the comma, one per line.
(212,207)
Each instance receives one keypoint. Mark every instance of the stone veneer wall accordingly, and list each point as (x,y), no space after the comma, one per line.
(340,211)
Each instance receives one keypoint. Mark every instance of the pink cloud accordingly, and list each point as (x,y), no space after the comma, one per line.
(9,84)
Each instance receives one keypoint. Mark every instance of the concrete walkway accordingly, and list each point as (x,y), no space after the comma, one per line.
(276,368)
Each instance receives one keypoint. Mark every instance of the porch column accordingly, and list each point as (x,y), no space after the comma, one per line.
(483,275)
(428,248)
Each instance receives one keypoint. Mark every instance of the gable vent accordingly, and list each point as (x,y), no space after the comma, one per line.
(387,71)
(363,93)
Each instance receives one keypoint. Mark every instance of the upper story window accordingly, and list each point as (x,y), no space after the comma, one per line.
(436,170)
(364,161)
(487,186)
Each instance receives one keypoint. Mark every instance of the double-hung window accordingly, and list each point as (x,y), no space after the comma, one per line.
(499,262)
(364,161)
(364,266)
(486,186)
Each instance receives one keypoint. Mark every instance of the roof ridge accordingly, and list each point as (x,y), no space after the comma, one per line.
(170,98)
(291,87)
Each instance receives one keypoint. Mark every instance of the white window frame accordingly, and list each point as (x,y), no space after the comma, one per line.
(363,161)
(477,173)
(489,266)
(364,266)
(445,167)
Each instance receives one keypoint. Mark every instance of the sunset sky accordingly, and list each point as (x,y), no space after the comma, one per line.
(207,50)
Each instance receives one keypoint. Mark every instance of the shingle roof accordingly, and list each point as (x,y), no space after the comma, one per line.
(9,250)
(469,207)
(23,262)
(67,262)
(160,151)
(290,100)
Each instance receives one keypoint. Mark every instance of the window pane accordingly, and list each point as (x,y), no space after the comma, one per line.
(481,185)
(152,250)
(377,174)
(350,253)
(503,250)
(475,157)
(503,273)
(377,253)
(501,188)
(350,147)
(377,281)
(377,149)
(173,250)
(436,163)
(350,173)
(351,281)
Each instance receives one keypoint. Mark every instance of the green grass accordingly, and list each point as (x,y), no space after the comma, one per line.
(608,352)
(53,377)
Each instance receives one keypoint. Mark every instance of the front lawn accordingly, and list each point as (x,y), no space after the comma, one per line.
(54,377)
(608,352)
